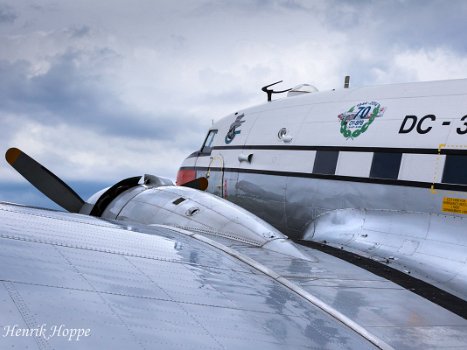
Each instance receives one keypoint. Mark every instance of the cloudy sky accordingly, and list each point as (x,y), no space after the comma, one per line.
(98,91)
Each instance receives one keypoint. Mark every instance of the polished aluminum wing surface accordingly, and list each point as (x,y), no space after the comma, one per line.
(133,286)
(143,288)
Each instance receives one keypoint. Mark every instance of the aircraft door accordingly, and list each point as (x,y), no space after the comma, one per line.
(212,164)
(215,175)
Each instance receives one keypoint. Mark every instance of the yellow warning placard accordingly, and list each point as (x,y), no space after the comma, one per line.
(455,205)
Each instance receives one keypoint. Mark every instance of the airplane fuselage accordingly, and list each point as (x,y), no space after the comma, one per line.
(395,147)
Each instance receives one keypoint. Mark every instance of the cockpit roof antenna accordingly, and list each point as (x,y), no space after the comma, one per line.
(269,92)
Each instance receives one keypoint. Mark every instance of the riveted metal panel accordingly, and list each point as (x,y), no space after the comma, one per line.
(148,290)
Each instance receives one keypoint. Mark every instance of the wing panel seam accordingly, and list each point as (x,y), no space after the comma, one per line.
(26,314)
(290,285)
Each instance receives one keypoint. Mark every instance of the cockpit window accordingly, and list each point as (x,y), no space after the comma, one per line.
(208,141)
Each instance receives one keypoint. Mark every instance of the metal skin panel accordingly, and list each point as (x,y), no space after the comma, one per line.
(199,212)
(243,130)
(298,161)
(321,126)
(263,197)
(215,178)
(10,315)
(196,211)
(407,241)
(112,211)
(422,167)
(291,204)
(402,319)
(354,164)
(268,124)
(230,181)
(152,289)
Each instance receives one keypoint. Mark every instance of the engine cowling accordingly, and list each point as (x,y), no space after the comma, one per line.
(162,203)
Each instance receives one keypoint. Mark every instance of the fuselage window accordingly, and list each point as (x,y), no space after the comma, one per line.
(385,165)
(207,145)
(325,162)
(455,169)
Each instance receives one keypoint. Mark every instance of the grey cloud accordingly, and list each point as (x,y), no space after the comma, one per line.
(251,7)
(274,4)
(209,57)
(376,32)
(7,14)
(80,32)
(72,92)
(400,24)
(24,192)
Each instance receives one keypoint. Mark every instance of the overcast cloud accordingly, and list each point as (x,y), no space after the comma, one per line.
(102,90)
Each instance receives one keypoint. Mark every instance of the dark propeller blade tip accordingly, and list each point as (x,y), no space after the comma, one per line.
(12,155)
(44,180)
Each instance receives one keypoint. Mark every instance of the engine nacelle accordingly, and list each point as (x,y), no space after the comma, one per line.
(159,202)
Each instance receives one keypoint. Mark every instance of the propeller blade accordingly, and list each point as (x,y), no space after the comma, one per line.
(201,183)
(44,180)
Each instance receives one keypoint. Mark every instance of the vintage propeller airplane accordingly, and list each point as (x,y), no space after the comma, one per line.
(323,220)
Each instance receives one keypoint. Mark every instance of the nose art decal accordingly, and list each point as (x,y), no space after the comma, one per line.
(233,128)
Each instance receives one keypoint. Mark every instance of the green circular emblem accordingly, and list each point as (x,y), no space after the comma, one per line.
(358,118)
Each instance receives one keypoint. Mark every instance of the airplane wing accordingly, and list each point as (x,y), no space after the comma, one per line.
(75,281)
(141,290)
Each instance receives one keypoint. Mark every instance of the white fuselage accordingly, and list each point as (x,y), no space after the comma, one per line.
(381,171)
(294,158)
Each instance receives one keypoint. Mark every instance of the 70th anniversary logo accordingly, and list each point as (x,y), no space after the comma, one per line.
(358,118)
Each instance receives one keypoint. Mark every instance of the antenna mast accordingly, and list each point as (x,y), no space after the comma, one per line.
(269,92)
